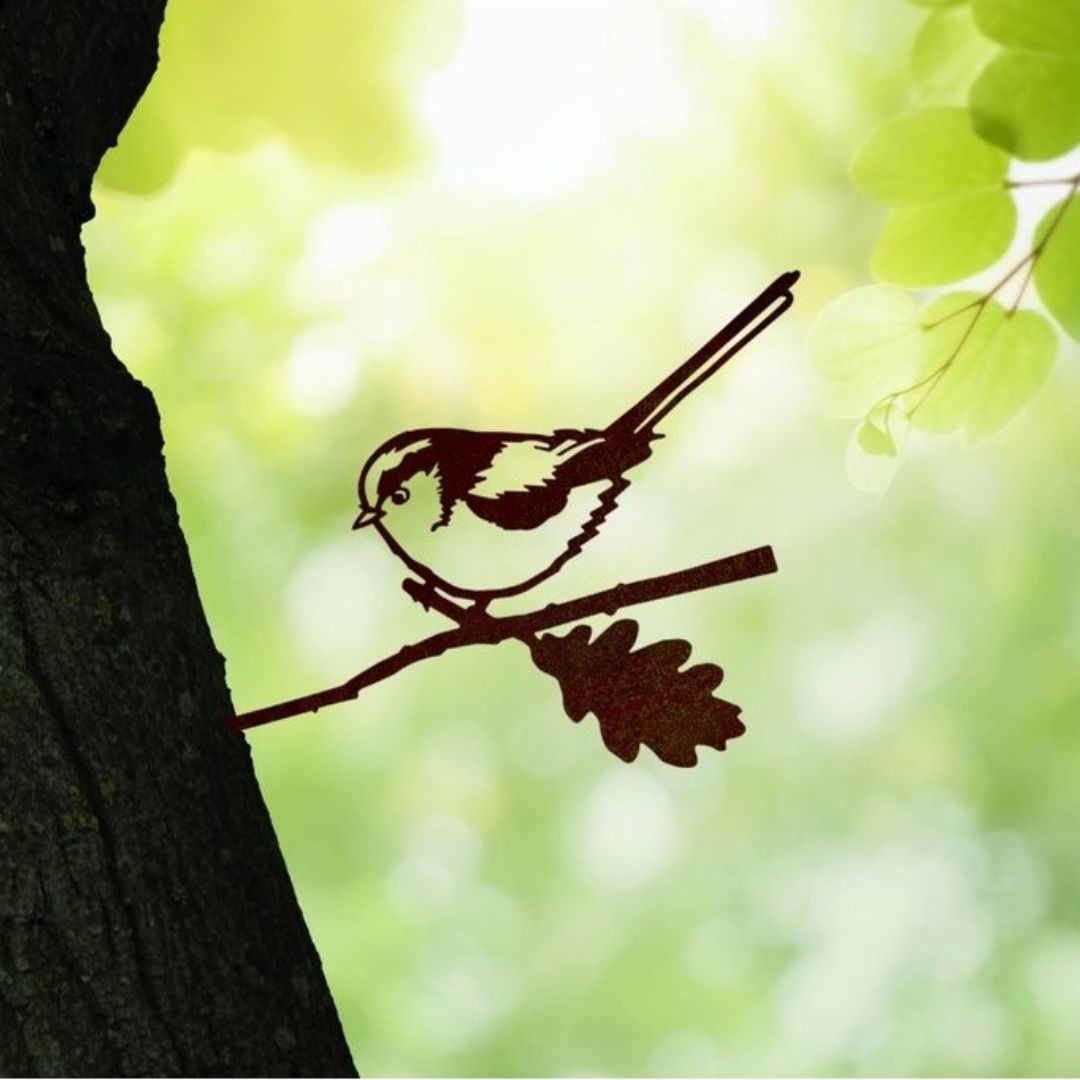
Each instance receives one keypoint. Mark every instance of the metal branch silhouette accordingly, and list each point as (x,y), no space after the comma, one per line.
(480,628)
(431,493)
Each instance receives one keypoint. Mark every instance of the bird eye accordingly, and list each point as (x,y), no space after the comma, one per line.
(400,496)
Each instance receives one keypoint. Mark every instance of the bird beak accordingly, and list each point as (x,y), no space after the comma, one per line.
(367,517)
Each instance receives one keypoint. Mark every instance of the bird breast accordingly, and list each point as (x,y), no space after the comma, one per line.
(472,554)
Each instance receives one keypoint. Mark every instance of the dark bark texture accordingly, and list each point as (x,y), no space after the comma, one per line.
(147,922)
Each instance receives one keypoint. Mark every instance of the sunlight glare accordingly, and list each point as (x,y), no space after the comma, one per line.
(740,22)
(540,91)
(525,107)
(347,236)
(321,369)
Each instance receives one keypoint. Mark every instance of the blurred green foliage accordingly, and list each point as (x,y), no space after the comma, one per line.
(997,79)
(881,875)
(331,80)
(947,54)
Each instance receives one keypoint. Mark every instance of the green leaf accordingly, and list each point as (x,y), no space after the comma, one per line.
(952,213)
(869,472)
(1051,26)
(949,52)
(982,365)
(1013,371)
(958,329)
(927,155)
(873,433)
(1056,275)
(1026,103)
(937,3)
(866,344)
(946,240)
(875,440)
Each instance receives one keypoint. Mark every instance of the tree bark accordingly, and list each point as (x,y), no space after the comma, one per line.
(147,922)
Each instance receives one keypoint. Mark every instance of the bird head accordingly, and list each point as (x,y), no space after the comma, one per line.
(398,483)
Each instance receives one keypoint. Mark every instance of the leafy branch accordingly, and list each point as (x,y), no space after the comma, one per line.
(993,78)
(640,697)
(896,399)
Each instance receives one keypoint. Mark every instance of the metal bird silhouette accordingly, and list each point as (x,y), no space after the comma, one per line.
(481,515)
(452,503)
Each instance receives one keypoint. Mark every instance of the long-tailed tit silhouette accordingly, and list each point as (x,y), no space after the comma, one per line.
(488,514)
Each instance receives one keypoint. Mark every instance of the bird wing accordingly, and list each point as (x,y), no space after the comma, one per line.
(517,466)
(589,456)
(530,478)
(520,488)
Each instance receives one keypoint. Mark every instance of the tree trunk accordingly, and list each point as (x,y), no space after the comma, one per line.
(147,922)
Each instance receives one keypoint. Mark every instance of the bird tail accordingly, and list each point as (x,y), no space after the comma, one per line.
(717,351)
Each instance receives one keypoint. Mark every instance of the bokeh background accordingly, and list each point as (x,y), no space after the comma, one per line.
(329,223)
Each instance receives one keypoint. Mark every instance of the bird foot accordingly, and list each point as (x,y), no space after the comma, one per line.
(430,599)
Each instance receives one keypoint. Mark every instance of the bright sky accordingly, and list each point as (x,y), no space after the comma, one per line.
(539,91)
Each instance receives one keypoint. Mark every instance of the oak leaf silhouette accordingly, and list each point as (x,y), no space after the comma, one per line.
(640,697)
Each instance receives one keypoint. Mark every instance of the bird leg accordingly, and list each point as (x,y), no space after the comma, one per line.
(430,599)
